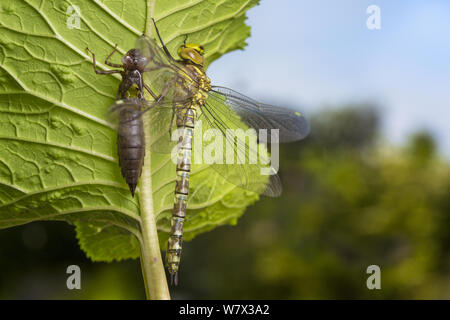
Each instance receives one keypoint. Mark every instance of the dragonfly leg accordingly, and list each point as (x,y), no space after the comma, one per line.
(150,91)
(174,279)
(95,65)
(140,91)
(164,92)
(115,65)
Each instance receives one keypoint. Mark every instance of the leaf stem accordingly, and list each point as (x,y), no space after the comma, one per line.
(151,260)
(156,287)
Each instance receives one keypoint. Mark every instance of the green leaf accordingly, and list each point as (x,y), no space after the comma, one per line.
(58,153)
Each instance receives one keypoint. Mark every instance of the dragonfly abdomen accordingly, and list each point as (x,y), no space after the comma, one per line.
(185,123)
(131,146)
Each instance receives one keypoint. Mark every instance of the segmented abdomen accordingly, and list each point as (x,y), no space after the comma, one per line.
(131,146)
(185,122)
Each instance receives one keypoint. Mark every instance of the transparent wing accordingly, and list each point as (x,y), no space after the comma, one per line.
(245,162)
(225,142)
(162,127)
(156,56)
(131,106)
(164,75)
(291,125)
(159,119)
(232,149)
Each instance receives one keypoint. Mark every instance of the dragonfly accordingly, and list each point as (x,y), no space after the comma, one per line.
(125,112)
(186,99)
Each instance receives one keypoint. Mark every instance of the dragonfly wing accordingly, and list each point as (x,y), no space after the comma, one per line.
(159,116)
(234,151)
(161,128)
(132,105)
(155,55)
(164,75)
(291,125)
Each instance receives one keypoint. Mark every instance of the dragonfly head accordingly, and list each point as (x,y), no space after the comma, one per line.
(193,53)
(134,59)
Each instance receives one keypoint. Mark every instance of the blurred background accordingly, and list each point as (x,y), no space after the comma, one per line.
(370,185)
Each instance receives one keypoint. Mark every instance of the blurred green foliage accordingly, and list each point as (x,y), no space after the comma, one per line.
(350,200)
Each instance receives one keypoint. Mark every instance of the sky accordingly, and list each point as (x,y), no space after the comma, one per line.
(320,54)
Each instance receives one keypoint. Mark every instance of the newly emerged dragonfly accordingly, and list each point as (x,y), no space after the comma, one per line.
(187,97)
(126,111)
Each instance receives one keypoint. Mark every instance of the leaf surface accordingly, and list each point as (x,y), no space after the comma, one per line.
(58,153)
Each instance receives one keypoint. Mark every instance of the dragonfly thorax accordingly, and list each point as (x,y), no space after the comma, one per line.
(199,84)
(199,98)
(204,87)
